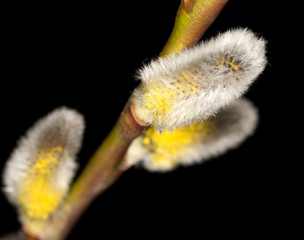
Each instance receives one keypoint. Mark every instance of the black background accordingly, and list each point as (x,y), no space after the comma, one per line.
(84,56)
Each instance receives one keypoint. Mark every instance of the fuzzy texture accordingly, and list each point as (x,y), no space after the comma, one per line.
(38,173)
(193,85)
(199,142)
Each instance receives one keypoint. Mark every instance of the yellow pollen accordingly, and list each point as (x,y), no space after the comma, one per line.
(231,64)
(160,99)
(168,147)
(39,196)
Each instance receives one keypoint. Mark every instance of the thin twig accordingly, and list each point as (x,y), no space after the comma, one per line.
(192,20)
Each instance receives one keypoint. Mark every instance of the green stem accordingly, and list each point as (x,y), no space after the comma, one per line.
(192,20)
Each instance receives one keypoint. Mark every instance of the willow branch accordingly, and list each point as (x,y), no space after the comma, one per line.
(192,20)
(101,171)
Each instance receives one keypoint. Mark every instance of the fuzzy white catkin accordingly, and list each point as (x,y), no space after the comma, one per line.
(221,69)
(63,126)
(232,126)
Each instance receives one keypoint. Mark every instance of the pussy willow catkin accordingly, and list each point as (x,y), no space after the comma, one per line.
(38,173)
(164,151)
(189,87)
